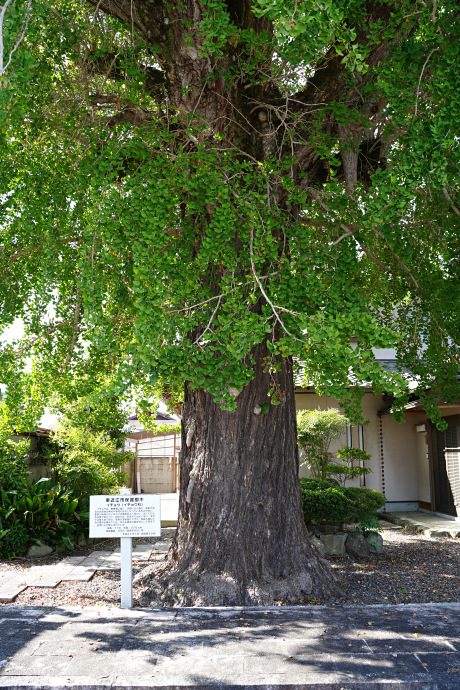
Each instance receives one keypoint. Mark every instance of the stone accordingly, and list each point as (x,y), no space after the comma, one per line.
(82,541)
(334,543)
(357,546)
(374,542)
(351,527)
(39,549)
(318,544)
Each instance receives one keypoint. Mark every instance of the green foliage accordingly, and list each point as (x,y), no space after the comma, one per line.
(366,502)
(14,540)
(42,510)
(324,501)
(88,462)
(325,505)
(94,413)
(345,472)
(370,524)
(13,463)
(346,469)
(316,429)
(155,229)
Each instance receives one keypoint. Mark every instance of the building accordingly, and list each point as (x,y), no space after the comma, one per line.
(414,464)
(155,469)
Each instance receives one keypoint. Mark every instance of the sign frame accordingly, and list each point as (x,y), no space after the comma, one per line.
(101,513)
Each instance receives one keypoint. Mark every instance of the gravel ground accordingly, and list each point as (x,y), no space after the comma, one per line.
(412,569)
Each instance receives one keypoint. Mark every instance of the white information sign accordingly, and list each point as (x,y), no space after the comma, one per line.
(125,516)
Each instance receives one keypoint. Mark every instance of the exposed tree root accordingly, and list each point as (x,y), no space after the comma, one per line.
(176,586)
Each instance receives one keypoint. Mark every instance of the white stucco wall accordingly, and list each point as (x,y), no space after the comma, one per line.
(400,479)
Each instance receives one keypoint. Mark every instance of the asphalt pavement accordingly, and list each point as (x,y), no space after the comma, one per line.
(276,648)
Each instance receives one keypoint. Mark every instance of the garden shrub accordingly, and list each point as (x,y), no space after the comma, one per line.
(312,484)
(13,463)
(327,505)
(13,540)
(41,511)
(88,462)
(365,501)
(325,501)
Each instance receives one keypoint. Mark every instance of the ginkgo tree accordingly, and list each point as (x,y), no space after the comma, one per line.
(200,199)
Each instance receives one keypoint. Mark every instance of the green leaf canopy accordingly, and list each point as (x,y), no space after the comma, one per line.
(180,182)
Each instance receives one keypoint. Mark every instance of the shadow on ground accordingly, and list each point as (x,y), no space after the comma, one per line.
(312,646)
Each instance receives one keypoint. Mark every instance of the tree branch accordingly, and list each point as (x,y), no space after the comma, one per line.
(146,17)
(449,199)
(76,318)
(27,346)
(31,250)
(21,35)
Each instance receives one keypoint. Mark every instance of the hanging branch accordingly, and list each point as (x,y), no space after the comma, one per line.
(3,67)
(76,319)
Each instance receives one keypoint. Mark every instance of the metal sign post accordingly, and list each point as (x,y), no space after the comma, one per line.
(125,516)
(126,558)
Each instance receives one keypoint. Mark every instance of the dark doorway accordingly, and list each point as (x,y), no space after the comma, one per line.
(446,467)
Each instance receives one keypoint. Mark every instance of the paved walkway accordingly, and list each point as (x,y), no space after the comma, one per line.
(338,648)
(426,523)
(73,568)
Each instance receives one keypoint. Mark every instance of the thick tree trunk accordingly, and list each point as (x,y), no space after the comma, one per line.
(241,537)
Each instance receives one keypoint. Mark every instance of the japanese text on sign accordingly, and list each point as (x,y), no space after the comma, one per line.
(124,516)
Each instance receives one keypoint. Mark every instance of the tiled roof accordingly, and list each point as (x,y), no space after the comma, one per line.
(388,364)
(159,416)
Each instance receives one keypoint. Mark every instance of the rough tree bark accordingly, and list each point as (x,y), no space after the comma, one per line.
(241,536)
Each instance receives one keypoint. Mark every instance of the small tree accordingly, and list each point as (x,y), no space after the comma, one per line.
(316,429)
(347,469)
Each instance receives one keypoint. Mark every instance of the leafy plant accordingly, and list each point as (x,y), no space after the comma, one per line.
(42,510)
(324,501)
(325,505)
(13,463)
(366,502)
(316,429)
(13,540)
(88,462)
(347,470)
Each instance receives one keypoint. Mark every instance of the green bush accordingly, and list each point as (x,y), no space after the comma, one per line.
(88,462)
(328,505)
(40,511)
(13,463)
(312,484)
(13,540)
(365,501)
(324,501)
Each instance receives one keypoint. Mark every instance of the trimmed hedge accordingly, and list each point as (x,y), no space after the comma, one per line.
(325,501)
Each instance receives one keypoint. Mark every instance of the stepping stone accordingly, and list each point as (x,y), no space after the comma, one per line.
(72,560)
(110,565)
(161,547)
(80,573)
(10,591)
(8,576)
(42,576)
(141,552)
(94,559)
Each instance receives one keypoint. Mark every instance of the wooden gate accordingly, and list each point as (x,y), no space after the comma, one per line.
(445,454)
